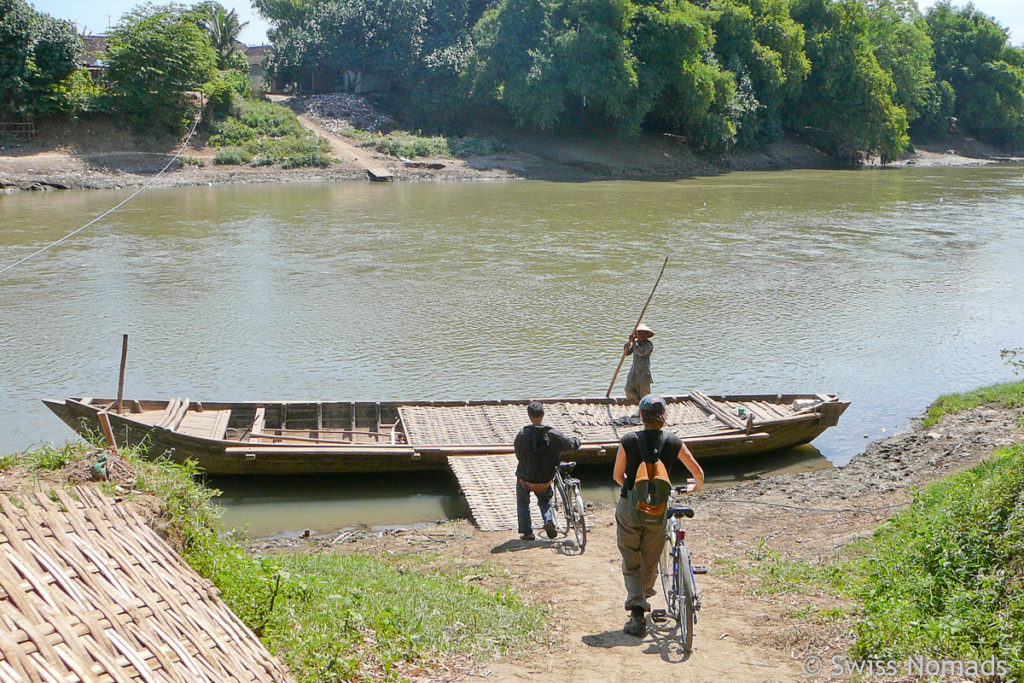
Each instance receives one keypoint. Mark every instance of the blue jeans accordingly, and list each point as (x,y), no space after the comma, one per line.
(523,506)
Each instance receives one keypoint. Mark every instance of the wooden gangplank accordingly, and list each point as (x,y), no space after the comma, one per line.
(489,484)
(379,175)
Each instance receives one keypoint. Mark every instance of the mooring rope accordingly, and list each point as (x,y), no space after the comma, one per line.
(119,205)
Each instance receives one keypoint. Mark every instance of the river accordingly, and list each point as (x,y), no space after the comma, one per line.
(886,287)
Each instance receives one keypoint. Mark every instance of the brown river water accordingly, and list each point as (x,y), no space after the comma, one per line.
(886,287)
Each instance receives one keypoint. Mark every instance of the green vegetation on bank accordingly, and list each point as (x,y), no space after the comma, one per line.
(942,579)
(264,133)
(854,76)
(1009,395)
(329,616)
(405,144)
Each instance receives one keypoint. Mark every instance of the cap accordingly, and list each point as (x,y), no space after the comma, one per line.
(652,403)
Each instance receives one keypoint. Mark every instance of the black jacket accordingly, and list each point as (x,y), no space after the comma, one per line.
(539,449)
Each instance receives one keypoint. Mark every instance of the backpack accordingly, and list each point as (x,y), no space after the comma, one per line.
(651,486)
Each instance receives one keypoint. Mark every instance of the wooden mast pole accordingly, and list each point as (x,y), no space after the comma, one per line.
(638,320)
(120,377)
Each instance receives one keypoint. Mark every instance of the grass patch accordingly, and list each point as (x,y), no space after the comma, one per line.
(944,578)
(263,134)
(50,457)
(1009,395)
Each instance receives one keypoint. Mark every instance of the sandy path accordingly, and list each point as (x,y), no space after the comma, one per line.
(587,594)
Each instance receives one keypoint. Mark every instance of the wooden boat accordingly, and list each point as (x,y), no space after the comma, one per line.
(299,437)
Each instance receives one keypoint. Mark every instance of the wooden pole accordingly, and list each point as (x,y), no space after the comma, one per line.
(120,377)
(638,320)
(108,432)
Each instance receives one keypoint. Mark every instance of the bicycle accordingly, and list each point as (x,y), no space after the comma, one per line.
(567,504)
(678,575)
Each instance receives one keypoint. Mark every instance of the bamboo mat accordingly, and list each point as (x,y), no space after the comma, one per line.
(489,483)
(88,592)
(591,422)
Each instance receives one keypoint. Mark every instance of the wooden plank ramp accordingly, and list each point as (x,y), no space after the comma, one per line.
(489,484)
(379,175)
(89,592)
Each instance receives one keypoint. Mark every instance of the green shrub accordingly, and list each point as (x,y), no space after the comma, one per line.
(232,132)
(232,156)
(265,134)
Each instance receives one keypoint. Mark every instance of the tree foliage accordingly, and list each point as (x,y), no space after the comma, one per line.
(973,55)
(37,53)
(847,103)
(223,29)
(760,42)
(850,74)
(155,56)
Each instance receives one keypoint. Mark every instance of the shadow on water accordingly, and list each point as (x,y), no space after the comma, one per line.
(265,505)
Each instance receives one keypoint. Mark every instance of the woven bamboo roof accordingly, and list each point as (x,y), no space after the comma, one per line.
(88,592)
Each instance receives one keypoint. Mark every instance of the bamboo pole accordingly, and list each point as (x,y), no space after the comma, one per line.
(120,377)
(638,320)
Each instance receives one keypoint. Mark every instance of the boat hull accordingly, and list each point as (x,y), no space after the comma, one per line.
(235,452)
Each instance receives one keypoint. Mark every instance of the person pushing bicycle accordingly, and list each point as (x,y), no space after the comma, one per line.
(640,518)
(538,449)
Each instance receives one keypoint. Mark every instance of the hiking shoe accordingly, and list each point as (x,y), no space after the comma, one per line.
(528,537)
(637,624)
(550,530)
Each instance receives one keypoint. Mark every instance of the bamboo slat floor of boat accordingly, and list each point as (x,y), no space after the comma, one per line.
(499,424)
(489,483)
(88,592)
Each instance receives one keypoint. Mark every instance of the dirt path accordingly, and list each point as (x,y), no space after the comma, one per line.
(741,636)
(344,151)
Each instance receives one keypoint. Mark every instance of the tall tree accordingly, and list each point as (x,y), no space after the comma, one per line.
(223,28)
(760,42)
(36,52)
(973,54)
(847,102)
(903,48)
(155,55)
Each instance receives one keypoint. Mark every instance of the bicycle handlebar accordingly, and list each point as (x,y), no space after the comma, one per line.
(686,488)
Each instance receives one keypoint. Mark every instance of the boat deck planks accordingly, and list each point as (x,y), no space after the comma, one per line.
(210,424)
(92,594)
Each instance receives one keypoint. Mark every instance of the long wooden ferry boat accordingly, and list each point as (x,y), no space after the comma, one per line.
(299,437)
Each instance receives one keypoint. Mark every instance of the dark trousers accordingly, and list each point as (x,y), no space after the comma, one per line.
(523,506)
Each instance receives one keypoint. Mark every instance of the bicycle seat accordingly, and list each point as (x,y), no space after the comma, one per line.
(566,467)
(681,511)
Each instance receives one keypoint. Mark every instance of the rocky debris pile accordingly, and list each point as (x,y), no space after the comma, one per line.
(340,112)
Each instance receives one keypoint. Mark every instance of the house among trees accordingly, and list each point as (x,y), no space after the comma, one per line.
(94,47)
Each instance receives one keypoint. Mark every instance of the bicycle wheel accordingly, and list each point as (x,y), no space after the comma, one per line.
(685,600)
(558,507)
(579,521)
(668,579)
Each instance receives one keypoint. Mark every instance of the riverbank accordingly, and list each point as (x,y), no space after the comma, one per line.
(97,155)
